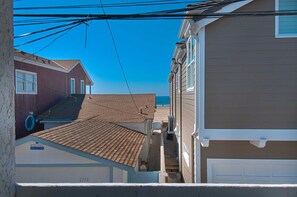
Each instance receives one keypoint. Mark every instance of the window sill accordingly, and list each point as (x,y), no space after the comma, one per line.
(286,36)
(191,89)
(26,92)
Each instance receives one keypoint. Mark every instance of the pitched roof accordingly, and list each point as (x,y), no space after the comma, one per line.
(67,64)
(70,64)
(60,65)
(208,7)
(38,59)
(108,107)
(98,138)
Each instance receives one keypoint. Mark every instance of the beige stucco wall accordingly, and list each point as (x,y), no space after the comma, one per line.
(7,128)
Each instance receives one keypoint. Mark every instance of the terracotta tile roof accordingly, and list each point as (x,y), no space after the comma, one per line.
(98,138)
(110,107)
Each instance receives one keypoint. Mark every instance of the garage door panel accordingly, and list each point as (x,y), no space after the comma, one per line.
(257,170)
(224,169)
(285,170)
(251,171)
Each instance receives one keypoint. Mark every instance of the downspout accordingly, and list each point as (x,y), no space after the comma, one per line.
(175,97)
(195,146)
(171,97)
(178,70)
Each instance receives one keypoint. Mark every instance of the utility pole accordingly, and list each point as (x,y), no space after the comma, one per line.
(7,116)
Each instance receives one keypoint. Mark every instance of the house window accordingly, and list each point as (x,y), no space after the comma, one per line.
(26,82)
(286,26)
(72,86)
(82,86)
(190,72)
(178,80)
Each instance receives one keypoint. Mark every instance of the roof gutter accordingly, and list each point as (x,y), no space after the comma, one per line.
(56,121)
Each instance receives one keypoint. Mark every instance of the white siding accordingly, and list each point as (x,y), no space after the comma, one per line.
(49,155)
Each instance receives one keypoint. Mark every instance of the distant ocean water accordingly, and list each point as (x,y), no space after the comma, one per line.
(163,100)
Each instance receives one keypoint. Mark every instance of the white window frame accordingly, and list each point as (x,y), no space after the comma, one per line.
(82,87)
(178,80)
(72,91)
(190,63)
(27,82)
(277,34)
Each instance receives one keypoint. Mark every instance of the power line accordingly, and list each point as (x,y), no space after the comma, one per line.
(152,16)
(115,5)
(118,58)
(48,29)
(49,35)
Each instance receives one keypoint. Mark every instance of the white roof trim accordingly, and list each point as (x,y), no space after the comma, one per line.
(227,9)
(206,21)
(20,59)
(78,62)
(62,69)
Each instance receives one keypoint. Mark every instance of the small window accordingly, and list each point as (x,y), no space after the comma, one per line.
(191,55)
(286,26)
(178,80)
(72,86)
(26,82)
(82,86)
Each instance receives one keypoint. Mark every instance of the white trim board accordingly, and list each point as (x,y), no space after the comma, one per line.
(16,58)
(62,69)
(206,21)
(248,134)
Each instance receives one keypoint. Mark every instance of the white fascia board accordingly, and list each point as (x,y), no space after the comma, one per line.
(227,9)
(16,58)
(183,28)
(56,121)
(248,134)
(77,63)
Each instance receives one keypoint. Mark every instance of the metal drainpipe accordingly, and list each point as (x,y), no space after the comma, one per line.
(180,116)
(175,96)
(171,94)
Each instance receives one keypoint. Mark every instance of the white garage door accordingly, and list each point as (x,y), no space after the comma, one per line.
(251,171)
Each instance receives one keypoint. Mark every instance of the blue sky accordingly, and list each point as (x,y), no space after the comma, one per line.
(145,47)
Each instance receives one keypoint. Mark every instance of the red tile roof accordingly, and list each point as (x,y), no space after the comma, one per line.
(98,138)
(111,108)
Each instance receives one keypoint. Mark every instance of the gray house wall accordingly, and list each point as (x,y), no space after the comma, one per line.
(7,128)
(250,76)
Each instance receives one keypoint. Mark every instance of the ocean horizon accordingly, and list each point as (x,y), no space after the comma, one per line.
(163,100)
